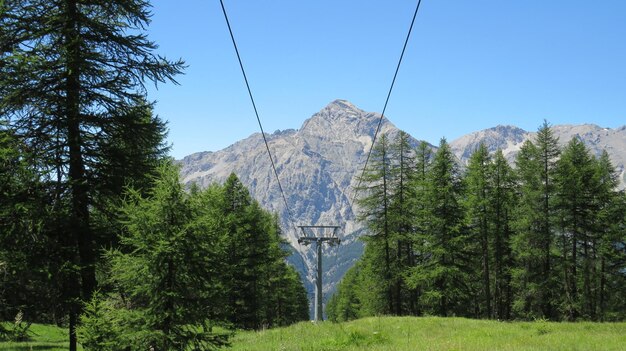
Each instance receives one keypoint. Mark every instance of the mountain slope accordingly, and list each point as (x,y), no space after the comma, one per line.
(316,164)
(319,163)
(510,140)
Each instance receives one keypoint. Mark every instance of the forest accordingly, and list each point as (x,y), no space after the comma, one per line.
(97,234)
(543,240)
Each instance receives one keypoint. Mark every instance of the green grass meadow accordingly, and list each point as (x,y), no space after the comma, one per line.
(43,337)
(398,334)
(434,333)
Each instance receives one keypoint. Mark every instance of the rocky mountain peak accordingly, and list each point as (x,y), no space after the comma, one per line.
(318,165)
(342,120)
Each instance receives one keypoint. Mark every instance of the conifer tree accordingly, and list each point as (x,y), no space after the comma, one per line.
(375,214)
(479,188)
(345,304)
(548,149)
(502,205)
(169,264)
(526,244)
(68,67)
(402,216)
(610,226)
(444,276)
(27,255)
(575,204)
(421,225)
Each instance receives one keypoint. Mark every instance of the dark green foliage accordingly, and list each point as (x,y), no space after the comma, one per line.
(262,291)
(190,261)
(375,214)
(443,276)
(544,240)
(502,205)
(479,189)
(527,242)
(28,254)
(73,75)
(344,304)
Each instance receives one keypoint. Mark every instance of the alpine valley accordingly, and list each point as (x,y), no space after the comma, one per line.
(319,164)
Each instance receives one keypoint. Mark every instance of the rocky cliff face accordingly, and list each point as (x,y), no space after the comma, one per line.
(510,140)
(318,165)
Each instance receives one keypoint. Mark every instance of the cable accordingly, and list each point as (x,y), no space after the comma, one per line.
(269,153)
(380,121)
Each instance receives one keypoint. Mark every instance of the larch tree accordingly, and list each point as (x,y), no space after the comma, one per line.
(402,218)
(70,68)
(526,242)
(444,275)
(502,205)
(478,193)
(575,204)
(548,150)
(375,213)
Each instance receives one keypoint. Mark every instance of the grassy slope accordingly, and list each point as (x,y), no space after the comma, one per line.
(44,337)
(398,334)
(432,333)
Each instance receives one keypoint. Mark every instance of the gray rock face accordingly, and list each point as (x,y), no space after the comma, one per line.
(318,165)
(510,140)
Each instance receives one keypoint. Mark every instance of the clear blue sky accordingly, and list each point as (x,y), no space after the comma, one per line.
(470,65)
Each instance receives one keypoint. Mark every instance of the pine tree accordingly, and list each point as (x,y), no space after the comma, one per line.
(166,272)
(375,213)
(262,291)
(575,192)
(419,241)
(479,188)
(345,304)
(548,149)
(402,216)
(443,277)
(610,224)
(502,205)
(68,66)
(527,244)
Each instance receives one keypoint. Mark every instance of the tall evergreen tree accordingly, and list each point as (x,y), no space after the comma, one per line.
(402,217)
(548,149)
(68,66)
(166,272)
(502,205)
(261,290)
(443,278)
(526,243)
(610,226)
(420,237)
(575,204)
(26,250)
(375,213)
(479,188)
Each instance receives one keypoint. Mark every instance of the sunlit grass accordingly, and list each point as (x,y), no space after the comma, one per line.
(433,333)
(398,334)
(43,337)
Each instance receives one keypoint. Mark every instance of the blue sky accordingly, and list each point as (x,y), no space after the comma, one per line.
(470,65)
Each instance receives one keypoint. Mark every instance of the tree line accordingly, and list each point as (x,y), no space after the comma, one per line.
(543,240)
(94,225)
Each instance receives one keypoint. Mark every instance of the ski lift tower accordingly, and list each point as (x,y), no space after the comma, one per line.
(319,241)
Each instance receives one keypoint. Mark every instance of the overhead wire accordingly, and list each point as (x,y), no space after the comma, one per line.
(380,121)
(382,116)
(256,112)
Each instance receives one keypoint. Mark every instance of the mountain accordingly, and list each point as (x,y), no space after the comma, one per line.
(510,140)
(318,164)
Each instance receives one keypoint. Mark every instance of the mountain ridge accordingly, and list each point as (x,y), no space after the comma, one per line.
(318,164)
